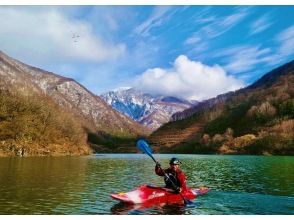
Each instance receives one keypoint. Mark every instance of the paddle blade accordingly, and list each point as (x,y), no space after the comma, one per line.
(143,146)
(188,203)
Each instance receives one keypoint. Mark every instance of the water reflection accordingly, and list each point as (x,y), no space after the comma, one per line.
(162,209)
(82,185)
(253,174)
(39,185)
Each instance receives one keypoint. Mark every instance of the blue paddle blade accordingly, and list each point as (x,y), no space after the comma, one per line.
(143,146)
(189,203)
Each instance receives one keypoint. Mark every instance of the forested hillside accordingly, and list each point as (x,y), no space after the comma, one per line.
(258,119)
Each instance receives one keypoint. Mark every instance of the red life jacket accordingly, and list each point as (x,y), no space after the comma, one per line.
(177,177)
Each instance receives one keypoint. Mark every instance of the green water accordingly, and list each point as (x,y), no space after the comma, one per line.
(81,185)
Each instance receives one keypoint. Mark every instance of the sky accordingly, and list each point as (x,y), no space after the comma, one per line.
(191,52)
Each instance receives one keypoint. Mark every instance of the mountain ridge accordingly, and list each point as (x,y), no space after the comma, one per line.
(104,123)
(149,110)
(257,119)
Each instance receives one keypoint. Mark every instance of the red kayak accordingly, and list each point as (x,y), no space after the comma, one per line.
(153,194)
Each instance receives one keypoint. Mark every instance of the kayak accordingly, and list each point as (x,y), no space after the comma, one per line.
(154,194)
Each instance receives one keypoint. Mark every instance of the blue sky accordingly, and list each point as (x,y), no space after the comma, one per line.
(193,52)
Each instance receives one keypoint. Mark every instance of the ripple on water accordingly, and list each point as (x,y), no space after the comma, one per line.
(82,185)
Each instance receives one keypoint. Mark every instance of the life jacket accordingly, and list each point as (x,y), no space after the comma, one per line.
(172,179)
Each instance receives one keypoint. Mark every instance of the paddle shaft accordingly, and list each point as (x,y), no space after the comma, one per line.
(173,184)
(143,146)
(152,158)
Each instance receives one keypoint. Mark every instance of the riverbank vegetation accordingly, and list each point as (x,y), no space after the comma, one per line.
(258,119)
(31,124)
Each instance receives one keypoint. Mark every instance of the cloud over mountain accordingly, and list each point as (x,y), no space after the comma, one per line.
(188,79)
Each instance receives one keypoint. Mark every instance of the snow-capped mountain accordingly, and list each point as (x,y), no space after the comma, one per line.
(149,110)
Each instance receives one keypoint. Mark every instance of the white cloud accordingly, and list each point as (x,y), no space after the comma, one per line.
(224,24)
(193,40)
(260,24)
(286,40)
(157,18)
(188,79)
(243,58)
(217,25)
(46,34)
(198,50)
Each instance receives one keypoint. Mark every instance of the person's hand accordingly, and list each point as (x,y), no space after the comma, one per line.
(178,189)
(158,164)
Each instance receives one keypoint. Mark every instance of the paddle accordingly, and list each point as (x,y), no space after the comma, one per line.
(145,148)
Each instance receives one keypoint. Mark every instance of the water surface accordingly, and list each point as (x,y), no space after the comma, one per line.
(81,185)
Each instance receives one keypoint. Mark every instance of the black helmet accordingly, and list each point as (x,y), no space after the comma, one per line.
(174,161)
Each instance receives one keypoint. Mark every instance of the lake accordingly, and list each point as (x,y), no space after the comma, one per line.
(82,185)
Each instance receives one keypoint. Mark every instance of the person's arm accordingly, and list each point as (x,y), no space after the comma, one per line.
(158,170)
(183,183)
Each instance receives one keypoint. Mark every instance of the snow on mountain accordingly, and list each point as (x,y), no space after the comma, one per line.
(149,110)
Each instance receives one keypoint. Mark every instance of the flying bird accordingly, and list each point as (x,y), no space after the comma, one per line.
(75,37)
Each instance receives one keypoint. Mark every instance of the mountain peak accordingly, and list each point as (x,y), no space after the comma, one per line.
(149,110)
(71,95)
(123,88)
(271,77)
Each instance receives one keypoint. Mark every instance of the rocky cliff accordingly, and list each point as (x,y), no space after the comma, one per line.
(71,95)
(149,110)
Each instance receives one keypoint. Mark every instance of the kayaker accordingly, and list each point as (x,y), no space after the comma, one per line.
(175,174)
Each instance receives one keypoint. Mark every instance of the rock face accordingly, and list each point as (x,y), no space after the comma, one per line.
(149,110)
(69,94)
